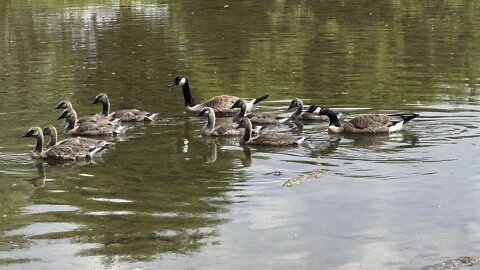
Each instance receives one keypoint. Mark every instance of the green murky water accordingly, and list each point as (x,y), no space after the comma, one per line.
(398,202)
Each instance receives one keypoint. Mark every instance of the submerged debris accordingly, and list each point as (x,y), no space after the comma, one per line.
(276,173)
(455,264)
(304,178)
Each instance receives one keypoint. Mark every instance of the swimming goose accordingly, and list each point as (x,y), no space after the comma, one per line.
(87,143)
(102,128)
(222,105)
(266,139)
(224,129)
(307,115)
(368,123)
(257,118)
(66,104)
(125,115)
(59,152)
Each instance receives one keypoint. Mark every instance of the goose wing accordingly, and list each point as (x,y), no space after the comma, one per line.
(223,102)
(130,115)
(313,117)
(227,129)
(66,152)
(95,129)
(259,118)
(368,123)
(273,140)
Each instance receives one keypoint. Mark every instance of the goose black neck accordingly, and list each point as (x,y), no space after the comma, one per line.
(243,110)
(187,95)
(332,116)
(106,108)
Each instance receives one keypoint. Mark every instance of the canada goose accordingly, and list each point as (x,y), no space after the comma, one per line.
(126,115)
(66,104)
(368,123)
(222,105)
(87,143)
(266,139)
(257,118)
(59,152)
(224,129)
(300,115)
(102,128)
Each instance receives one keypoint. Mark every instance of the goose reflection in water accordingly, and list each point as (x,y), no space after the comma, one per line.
(377,141)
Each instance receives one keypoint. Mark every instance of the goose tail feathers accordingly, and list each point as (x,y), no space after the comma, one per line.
(283,120)
(406,116)
(300,140)
(151,117)
(260,99)
(97,151)
(120,130)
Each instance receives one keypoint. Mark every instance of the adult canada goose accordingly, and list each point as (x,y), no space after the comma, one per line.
(125,115)
(257,118)
(368,123)
(61,151)
(299,114)
(87,143)
(266,139)
(103,128)
(222,105)
(224,129)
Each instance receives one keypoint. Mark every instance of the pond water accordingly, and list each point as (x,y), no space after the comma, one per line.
(404,201)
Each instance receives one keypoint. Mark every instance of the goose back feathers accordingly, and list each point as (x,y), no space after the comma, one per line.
(60,151)
(368,123)
(266,139)
(99,128)
(222,105)
(125,115)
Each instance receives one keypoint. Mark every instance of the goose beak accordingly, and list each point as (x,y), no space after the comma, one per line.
(58,107)
(26,134)
(61,117)
(290,107)
(172,84)
(200,113)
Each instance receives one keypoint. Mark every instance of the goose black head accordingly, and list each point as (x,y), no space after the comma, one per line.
(100,98)
(313,109)
(179,80)
(237,104)
(205,111)
(33,132)
(64,104)
(326,111)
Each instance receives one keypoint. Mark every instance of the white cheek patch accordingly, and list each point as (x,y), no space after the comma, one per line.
(317,110)
(182,82)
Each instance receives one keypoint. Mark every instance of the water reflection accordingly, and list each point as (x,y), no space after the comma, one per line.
(174,199)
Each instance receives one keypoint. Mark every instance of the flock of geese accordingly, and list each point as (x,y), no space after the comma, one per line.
(246,123)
